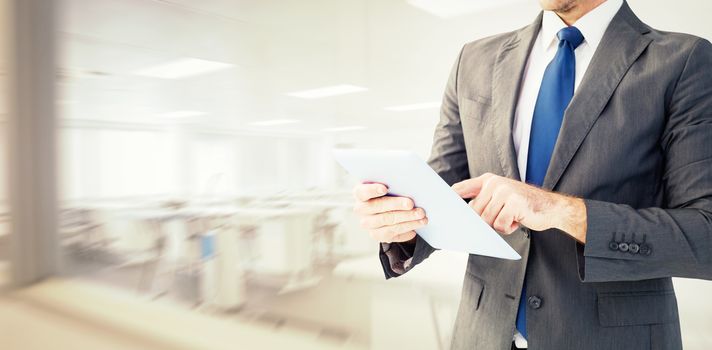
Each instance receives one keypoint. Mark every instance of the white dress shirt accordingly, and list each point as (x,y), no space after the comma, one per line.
(592,25)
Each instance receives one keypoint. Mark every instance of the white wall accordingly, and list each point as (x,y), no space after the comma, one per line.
(112,163)
(101,163)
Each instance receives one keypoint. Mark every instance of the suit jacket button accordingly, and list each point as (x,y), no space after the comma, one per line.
(623,247)
(633,248)
(534,302)
(645,249)
(612,245)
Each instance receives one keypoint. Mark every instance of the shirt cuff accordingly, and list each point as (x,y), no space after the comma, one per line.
(396,258)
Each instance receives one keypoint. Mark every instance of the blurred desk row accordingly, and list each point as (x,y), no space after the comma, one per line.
(285,242)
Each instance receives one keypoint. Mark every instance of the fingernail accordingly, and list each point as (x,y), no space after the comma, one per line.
(382,190)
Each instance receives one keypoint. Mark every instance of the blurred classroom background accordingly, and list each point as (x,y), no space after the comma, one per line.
(197,204)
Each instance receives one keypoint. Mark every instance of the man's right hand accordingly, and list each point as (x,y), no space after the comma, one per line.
(387,218)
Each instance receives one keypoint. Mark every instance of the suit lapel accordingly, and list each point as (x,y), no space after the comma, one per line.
(507,77)
(621,45)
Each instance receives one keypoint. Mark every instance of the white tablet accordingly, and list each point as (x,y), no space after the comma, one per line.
(452,224)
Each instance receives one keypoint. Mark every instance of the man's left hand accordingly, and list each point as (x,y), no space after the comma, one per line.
(505,204)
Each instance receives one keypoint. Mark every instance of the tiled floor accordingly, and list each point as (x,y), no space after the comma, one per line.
(71,314)
(26,326)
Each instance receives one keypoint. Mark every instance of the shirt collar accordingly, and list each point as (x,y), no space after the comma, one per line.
(592,25)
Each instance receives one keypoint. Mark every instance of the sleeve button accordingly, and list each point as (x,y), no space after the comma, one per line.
(633,248)
(623,247)
(645,249)
(612,245)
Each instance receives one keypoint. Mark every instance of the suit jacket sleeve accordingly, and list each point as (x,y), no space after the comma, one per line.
(674,241)
(449,160)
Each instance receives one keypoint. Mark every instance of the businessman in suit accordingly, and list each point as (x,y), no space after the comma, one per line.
(585,138)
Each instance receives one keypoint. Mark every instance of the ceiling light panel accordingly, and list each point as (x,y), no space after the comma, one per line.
(182,68)
(180,114)
(414,107)
(454,8)
(328,91)
(344,128)
(274,122)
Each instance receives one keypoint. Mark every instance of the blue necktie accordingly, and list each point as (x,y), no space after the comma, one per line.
(555,93)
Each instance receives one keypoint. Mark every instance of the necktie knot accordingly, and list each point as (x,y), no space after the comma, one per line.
(571,35)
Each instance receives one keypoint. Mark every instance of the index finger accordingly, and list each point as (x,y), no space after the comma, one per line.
(469,188)
(366,191)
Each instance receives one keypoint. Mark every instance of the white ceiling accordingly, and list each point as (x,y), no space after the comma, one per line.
(400,52)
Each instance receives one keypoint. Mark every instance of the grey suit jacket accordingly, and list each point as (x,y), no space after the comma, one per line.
(636,144)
